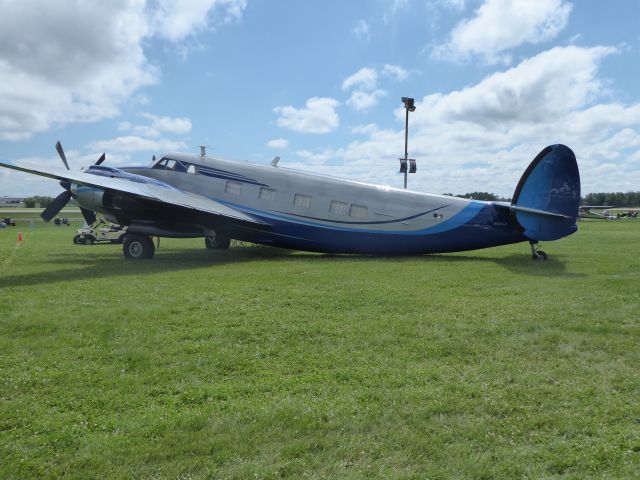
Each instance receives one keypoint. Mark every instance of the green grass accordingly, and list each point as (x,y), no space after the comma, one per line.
(264,363)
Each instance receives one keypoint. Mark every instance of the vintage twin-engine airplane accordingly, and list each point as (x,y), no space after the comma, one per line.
(181,196)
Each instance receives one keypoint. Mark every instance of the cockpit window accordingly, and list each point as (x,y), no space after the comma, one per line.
(175,165)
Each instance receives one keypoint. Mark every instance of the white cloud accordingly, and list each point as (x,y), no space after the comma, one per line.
(395,71)
(278,143)
(177,19)
(158,126)
(362,30)
(552,83)
(366,79)
(134,143)
(499,25)
(321,157)
(318,116)
(81,60)
(64,70)
(367,129)
(484,136)
(365,84)
(360,100)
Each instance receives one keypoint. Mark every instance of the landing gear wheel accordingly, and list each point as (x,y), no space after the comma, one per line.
(217,242)
(88,240)
(76,240)
(537,254)
(542,255)
(138,247)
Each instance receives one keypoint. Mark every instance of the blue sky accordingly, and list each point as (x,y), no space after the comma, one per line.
(319,84)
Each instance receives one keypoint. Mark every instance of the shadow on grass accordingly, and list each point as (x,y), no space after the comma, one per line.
(101,265)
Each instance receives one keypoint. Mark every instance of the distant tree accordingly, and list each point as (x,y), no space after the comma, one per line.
(37,201)
(614,199)
(486,196)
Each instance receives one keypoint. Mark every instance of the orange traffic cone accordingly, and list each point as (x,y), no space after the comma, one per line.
(20,237)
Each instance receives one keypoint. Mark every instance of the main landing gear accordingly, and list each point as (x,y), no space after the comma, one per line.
(138,247)
(217,242)
(537,254)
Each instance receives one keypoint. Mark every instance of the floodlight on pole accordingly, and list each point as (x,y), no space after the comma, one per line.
(409,107)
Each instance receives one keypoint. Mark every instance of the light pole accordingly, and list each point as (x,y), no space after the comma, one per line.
(409,107)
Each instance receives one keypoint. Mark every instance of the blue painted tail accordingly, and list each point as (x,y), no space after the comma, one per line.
(545,203)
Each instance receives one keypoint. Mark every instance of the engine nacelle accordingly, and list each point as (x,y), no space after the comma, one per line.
(91,198)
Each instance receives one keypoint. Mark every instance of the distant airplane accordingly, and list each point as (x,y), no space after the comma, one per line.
(182,196)
(588,211)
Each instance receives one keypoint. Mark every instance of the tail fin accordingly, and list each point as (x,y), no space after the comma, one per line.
(546,200)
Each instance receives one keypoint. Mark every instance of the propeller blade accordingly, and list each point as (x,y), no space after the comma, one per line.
(62,156)
(58,204)
(100,160)
(89,216)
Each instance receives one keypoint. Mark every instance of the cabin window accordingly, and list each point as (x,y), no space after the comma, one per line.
(235,188)
(267,193)
(303,201)
(191,169)
(358,211)
(338,208)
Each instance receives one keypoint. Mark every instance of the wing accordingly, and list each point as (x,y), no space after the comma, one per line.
(142,187)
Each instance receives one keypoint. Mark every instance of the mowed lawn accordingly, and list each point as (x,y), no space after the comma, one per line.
(264,363)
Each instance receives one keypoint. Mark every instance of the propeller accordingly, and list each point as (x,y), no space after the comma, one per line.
(62,155)
(54,207)
(61,200)
(89,216)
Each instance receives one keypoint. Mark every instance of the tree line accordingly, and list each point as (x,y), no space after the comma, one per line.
(616,199)
(613,199)
(37,202)
(486,196)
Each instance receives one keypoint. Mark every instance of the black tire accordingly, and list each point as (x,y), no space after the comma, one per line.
(138,247)
(540,255)
(88,240)
(76,239)
(219,242)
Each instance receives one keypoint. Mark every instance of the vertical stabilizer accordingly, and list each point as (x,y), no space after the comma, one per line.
(550,184)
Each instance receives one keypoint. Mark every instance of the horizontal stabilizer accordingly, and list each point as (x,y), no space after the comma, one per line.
(535,211)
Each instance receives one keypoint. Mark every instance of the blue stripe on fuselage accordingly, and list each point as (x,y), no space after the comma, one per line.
(465,215)
(478,225)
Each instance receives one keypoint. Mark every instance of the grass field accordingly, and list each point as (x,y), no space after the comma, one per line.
(262,363)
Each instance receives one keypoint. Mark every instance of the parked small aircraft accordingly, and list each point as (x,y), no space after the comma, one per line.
(595,211)
(182,196)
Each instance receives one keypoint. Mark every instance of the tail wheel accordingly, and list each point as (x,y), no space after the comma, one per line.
(541,255)
(138,247)
(537,254)
(217,242)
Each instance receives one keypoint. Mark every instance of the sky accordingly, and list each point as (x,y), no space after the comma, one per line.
(319,84)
